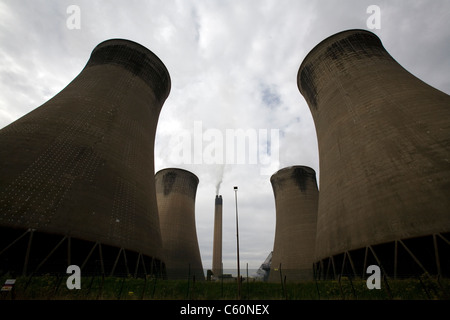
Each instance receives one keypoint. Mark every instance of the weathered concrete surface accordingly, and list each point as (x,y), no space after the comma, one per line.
(175,192)
(384,145)
(296,202)
(82,163)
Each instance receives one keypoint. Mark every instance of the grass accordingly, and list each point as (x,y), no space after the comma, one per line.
(49,287)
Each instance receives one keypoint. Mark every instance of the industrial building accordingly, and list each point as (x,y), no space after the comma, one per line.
(175,193)
(263,272)
(77,180)
(384,146)
(296,200)
(77,175)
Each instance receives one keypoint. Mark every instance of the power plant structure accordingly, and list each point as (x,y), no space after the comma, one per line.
(77,174)
(296,201)
(175,193)
(384,146)
(78,187)
(263,271)
(217,266)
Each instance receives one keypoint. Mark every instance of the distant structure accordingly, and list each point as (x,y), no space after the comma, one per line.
(175,192)
(263,271)
(76,174)
(217,267)
(384,145)
(296,202)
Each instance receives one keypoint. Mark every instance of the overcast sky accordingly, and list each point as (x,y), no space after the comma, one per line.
(233,65)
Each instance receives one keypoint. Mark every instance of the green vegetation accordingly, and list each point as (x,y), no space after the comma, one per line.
(112,288)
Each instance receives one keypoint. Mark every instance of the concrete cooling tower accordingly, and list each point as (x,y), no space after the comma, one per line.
(217,243)
(175,192)
(384,146)
(77,173)
(296,201)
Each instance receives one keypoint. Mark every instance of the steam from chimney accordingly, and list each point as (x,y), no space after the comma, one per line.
(220,177)
(218,187)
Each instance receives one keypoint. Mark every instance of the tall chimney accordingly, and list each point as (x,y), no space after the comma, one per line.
(217,245)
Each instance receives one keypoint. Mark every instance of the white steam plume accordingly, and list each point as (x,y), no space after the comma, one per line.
(220,178)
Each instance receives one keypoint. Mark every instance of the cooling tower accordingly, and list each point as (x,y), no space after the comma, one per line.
(384,146)
(175,192)
(217,242)
(296,201)
(77,173)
